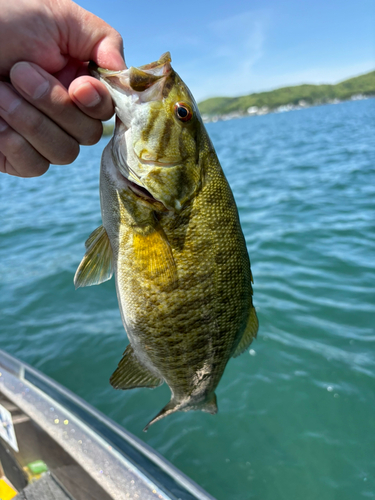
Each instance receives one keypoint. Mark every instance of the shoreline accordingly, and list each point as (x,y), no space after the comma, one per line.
(265,110)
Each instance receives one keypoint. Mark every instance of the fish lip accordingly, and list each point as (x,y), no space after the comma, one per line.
(163,62)
(129,80)
(98,72)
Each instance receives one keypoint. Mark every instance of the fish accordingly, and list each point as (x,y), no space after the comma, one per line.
(172,237)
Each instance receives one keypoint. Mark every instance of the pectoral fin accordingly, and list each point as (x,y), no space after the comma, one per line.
(131,374)
(97,263)
(93,236)
(154,257)
(249,334)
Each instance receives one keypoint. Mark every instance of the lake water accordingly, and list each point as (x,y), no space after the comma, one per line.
(296,412)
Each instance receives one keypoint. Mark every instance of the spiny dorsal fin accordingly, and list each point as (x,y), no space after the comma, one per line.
(249,334)
(131,374)
(97,263)
(154,257)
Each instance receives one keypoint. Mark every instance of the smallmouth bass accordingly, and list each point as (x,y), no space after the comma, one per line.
(172,237)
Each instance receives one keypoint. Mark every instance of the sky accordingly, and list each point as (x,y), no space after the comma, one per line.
(236,47)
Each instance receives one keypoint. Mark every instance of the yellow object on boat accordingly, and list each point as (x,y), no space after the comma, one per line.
(6,491)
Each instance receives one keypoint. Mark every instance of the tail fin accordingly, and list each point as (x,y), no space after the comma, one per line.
(208,406)
(171,407)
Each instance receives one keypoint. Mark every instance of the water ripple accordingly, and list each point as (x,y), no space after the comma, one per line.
(297,411)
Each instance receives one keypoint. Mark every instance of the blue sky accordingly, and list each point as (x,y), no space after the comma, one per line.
(235,47)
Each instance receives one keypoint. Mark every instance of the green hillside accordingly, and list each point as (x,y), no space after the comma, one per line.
(311,94)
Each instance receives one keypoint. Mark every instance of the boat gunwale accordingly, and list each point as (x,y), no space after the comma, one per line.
(147,460)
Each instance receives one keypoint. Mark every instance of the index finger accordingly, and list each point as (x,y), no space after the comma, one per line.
(50,97)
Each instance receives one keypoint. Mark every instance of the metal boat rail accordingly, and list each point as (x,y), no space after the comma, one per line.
(117,462)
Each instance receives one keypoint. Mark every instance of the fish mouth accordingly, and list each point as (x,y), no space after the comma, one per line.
(147,81)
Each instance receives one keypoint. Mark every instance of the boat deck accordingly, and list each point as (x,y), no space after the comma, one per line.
(86,456)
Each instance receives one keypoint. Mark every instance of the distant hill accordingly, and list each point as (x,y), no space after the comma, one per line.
(300,95)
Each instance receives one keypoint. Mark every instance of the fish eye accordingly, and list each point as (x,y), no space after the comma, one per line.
(183,111)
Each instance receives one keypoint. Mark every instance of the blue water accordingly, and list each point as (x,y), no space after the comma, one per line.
(297,413)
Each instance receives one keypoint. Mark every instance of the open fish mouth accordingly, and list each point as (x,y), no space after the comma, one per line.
(147,81)
(131,88)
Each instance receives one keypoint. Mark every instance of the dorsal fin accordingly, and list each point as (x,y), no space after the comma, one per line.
(131,374)
(249,334)
(97,263)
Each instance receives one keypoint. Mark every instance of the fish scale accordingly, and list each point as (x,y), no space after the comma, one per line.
(182,271)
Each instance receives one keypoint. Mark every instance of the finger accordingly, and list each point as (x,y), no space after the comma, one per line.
(92,97)
(94,40)
(48,95)
(45,136)
(17,156)
(70,71)
(109,52)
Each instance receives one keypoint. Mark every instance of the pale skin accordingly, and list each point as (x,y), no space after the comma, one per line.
(48,103)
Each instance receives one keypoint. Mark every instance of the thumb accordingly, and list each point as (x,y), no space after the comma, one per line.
(109,52)
(87,37)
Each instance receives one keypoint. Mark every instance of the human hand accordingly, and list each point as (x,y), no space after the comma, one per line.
(50,105)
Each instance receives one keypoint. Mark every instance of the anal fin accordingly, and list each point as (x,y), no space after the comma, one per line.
(97,263)
(249,334)
(131,374)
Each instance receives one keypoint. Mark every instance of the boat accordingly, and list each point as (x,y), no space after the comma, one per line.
(55,446)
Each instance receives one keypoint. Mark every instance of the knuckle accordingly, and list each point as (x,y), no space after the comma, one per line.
(19,158)
(37,126)
(66,154)
(17,147)
(38,168)
(92,135)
